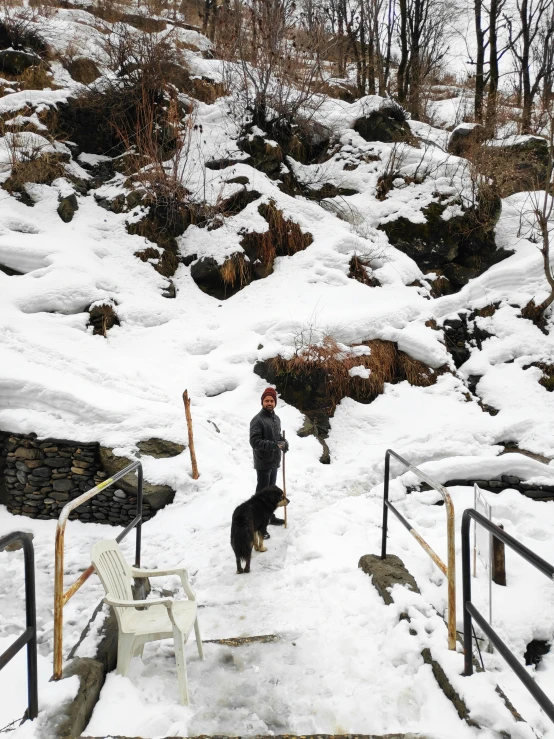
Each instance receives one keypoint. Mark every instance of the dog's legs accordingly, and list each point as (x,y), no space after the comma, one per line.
(247,565)
(256,541)
(261,547)
(239,566)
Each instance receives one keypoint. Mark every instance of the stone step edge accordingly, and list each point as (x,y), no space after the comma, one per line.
(282,736)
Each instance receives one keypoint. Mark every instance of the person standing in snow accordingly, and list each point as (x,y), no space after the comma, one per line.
(267,444)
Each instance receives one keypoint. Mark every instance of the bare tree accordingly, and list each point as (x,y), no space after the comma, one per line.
(540,217)
(277,79)
(423,46)
(530,35)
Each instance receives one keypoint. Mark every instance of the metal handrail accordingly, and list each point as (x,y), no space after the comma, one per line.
(29,636)
(450,569)
(61,598)
(471,612)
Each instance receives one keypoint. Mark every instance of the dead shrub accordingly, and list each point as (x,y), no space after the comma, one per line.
(102,318)
(317,377)
(41,170)
(18,28)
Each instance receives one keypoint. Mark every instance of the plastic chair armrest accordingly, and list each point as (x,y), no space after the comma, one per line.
(180,571)
(119,603)
(137,572)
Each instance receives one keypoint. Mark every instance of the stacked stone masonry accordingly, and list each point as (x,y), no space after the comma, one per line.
(41,476)
(504,482)
(511,482)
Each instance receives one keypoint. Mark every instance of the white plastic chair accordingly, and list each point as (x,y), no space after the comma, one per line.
(163,617)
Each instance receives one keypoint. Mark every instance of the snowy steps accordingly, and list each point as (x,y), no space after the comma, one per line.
(239,641)
(392,571)
(285,736)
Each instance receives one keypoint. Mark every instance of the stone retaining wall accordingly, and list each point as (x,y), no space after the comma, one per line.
(41,476)
(504,482)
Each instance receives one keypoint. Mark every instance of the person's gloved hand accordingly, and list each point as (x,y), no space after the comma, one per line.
(283,445)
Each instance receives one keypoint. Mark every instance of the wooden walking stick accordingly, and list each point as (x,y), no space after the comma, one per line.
(186,401)
(284,480)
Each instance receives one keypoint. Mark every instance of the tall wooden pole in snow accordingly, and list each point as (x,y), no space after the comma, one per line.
(186,401)
(284,481)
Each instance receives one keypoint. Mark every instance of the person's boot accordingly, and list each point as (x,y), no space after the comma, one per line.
(274,521)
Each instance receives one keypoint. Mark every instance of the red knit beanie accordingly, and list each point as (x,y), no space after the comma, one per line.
(271,392)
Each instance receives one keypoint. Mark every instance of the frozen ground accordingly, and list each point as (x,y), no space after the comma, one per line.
(343,662)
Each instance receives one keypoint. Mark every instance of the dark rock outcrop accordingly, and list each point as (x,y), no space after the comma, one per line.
(459,248)
(16,62)
(387,123)
(68,207)
(465,137)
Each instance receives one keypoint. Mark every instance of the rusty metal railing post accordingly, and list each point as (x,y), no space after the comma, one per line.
(451,560)
(449,569)
(61,598)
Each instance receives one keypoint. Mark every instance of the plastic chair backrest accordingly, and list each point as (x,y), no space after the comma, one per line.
(113,571)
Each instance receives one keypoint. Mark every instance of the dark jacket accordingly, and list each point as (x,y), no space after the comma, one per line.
(265,432)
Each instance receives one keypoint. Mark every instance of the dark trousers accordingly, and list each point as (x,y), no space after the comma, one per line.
(266,478)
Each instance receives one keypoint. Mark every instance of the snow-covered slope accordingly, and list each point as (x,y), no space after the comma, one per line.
(344,662)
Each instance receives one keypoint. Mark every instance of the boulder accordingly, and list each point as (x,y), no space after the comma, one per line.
(464,137)
(158,496)
(264,156)
(160,448)
(465,243)
(209,275)
(83,70)
(387,123)
(68,207)
(16,62)
(386,573)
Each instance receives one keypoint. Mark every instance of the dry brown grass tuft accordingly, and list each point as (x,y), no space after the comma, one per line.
(487,311)
(41,170)
(235,271)
(361,271)
(416,372)
(37,78)
(283,238)
(321,371)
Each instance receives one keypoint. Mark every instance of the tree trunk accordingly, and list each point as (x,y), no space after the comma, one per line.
(479,63)
(525,73)
(494,74)
(401,75)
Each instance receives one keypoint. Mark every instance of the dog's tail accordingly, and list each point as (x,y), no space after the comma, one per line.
(242,540)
